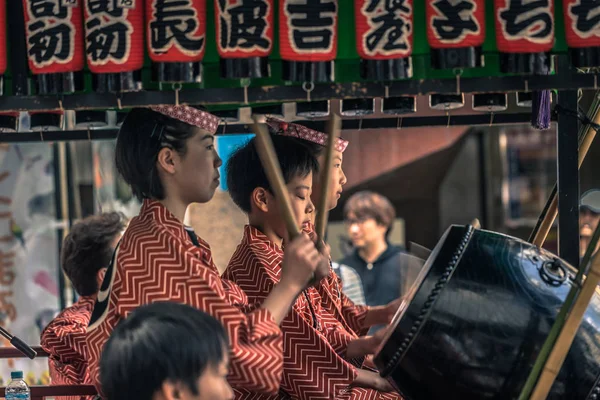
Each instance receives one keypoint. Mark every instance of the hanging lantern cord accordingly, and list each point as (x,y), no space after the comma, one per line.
(119,105)
(177,87)
(458,72)
(245,84)
(308,87)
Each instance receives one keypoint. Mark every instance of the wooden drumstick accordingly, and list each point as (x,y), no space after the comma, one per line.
(550,212)
(270,162)
(322,208)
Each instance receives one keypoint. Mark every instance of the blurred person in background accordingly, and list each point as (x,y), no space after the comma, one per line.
(86,253)
(369,218)
(589,216)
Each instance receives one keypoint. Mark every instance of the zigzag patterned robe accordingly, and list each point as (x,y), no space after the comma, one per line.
(156,260)
(64,340)
(335,301)
(314,341)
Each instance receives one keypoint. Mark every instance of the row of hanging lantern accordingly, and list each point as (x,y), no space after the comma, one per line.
(110,35)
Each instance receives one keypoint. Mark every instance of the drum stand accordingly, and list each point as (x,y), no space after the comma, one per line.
(18,344)
(562,334)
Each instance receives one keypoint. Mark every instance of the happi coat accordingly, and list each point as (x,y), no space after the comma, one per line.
(314,341)
(337,303)
(157,260)
(64,341)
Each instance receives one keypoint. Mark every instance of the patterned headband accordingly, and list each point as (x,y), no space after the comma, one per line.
(190,115)
(302,132)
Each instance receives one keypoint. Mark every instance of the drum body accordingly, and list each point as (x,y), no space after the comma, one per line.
(476,318)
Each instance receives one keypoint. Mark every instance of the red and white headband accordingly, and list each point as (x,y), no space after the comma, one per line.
(302,132)
(190,115)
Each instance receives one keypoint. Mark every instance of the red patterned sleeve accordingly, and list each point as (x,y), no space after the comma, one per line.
(256,347)
(312,367)
(337,303)
(354,315)
(64,340)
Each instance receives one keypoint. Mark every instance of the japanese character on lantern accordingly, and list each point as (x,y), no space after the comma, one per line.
(586,17)
(51,32)
(312,24)
(390,25)
(531,19)
(454,19)
(108,31)
(244,24)
(175,23)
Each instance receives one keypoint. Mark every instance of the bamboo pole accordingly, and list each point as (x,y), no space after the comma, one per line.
(322,208)
(550,212)
(559,323)
(270,162)
(64,205)
(534,386)
(569,329)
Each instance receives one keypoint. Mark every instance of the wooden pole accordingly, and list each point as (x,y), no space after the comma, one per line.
(268,158)
(322,208)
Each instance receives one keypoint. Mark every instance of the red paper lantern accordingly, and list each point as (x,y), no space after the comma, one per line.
(524,35)
(308,39)
(456,32)
(244,37)
(582,28)
(114,36)
(176,37)
(54,35)
(384,38)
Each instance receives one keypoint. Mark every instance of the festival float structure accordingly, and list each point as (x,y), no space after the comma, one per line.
(480,313)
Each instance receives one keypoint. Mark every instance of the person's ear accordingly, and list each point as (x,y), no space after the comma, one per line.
(100,276)
(171,391)
(167,160)
(261,199)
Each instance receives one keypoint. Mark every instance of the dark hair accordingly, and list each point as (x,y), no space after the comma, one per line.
(143,134)
(367,204)
(88,248)
(245,172)
(160,342)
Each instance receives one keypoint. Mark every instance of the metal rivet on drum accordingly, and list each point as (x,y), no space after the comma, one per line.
(413,329)
(594,396)
(597,389)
